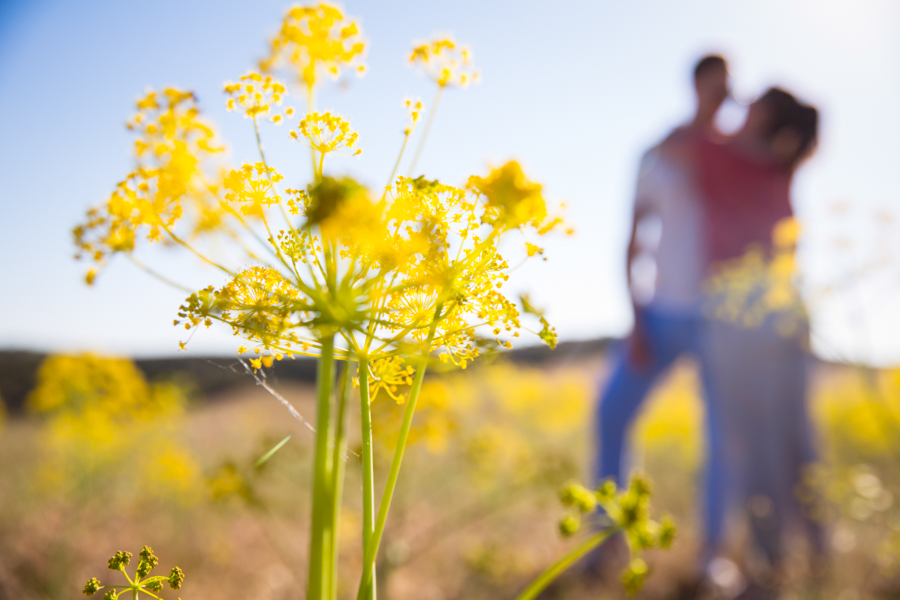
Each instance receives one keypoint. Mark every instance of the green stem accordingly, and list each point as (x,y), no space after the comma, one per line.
(338,468)
(367,591)
(434,106)
(545,578)
(372,549)
(310,102)
(259,142)
(321,537)
(396,164)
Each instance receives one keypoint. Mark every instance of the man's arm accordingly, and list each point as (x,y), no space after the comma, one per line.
(644,206)
(639,346)
(641,212)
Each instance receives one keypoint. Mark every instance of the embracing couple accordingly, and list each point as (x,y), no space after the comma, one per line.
(716,199)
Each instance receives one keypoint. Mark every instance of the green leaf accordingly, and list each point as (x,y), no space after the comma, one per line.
(270,453)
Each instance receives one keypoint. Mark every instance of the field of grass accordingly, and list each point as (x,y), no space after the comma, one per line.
(476,510)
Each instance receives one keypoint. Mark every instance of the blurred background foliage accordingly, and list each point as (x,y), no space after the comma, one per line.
(101,456)
(104,428)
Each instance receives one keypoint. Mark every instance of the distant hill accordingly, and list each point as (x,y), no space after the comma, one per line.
(18,369)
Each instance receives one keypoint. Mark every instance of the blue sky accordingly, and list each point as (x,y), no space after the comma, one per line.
(575,91)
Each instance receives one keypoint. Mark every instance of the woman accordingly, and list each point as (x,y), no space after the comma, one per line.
(757,365)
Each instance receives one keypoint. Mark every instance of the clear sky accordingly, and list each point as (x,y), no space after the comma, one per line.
(574,90)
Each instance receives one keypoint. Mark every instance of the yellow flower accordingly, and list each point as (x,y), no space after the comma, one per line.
(512,200)
(67,382)
(447,63)
(316,40)
(414,112)
(259,303)
(786,233)
(388,374)
(327,133)
(257,95)
(171,148)
(341,208)
(758,286)
(252,186)
(627,511)
(169,128)
(299,246)
(449,261)
(102,421)
(420,268)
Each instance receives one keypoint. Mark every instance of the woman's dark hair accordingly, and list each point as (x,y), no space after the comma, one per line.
(779,104)
(804,122)
(793,127)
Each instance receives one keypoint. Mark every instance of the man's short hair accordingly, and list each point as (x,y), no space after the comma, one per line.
(707,63)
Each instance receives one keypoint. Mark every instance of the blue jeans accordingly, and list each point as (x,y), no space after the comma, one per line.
(669,335)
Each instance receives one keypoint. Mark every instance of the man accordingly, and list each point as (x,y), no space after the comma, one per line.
(667,326)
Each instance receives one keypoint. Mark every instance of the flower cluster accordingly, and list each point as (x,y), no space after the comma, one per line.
(422,267)
(327,133)
(389,281)
(141,583)
(512,200)
(102,422)
(313,40)
(171,147)
(414,111)
(547,333)
(760,286)
(388,374)
(252,187)
(627,511)
(446,62)
(258,95)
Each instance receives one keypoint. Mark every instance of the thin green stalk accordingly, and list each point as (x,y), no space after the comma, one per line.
(368,467)
(310,102)
(338,469)
(545,578)
(396,164)
(321,537)
(259,142)
(434,106)
(162,278)
(372,549)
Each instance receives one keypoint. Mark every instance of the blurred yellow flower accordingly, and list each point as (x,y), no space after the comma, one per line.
(314,40)
(258,95)
(671,426)
(758,286)
(414,111)
(512,200)
(105,426)
(446,62)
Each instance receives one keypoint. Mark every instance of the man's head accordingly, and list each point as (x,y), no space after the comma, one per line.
(711,83)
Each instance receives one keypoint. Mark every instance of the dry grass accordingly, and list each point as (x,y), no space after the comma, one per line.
(457,530)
